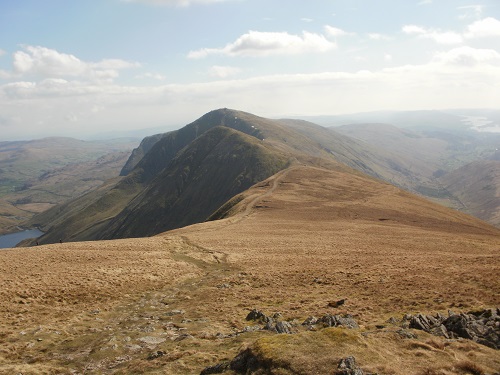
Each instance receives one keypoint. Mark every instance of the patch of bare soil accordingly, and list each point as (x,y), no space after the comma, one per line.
(302,241)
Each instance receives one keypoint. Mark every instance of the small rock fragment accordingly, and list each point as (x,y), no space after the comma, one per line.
(157,354)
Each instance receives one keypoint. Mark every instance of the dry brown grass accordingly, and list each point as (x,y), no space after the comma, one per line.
(468,367)
(316,236)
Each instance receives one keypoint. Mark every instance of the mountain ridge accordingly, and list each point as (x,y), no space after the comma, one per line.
(153,193)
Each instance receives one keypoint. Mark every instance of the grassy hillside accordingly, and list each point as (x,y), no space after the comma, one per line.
(22,161)
(295,244)
(96,215)
(36,175)
(477,186)
(433,154)
(10,216)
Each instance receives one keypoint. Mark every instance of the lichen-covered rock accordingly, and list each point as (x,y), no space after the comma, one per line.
(258,315)
(480,326)
(157,354)
(338,321)
(283,327)
(312,320)
(348,366)
(429,324)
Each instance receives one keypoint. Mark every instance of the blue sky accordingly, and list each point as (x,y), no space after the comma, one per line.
(87,66)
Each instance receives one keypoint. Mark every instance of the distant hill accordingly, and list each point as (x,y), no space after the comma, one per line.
(36,175)
(425,119)
(437,153)
(477,186)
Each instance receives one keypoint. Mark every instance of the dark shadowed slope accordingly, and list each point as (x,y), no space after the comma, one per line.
(212,169)
(191,185)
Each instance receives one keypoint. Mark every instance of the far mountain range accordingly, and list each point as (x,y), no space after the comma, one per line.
(192,174)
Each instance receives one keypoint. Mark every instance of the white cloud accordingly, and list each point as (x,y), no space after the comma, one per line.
(50,87)
(335,32)
(377,36)
(159,77)
(471,11)
(468,57)
(305,19)
(224,71)
(257,43)
(425,2)
(388,57)
(487,27)
(460,77)
(441,37)
(413,29)
(45,62)
(484,28)
(182,3)
(4,74)
(2,52)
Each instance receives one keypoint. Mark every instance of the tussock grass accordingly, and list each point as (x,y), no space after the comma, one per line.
(468,367)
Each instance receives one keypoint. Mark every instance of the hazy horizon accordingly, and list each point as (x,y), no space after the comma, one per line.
(82,68)
(469,120)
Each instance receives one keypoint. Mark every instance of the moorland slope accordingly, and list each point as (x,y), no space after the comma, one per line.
(307,241)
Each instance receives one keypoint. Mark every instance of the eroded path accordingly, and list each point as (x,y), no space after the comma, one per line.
(138,304)
(135,301)
(177,302)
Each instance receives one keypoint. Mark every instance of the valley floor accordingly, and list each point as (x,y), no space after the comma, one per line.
(297,243)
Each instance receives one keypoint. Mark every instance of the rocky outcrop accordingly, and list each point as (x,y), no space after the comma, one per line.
(278,325)
(274,323)
(244,363)
(482,326)
(348,366)
(328,320)
(346,321)
(257,315)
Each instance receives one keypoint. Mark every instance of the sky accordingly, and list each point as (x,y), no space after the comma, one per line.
(84,67)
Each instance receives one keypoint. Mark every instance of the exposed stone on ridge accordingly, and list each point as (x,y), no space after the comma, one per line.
(338,320)
(348,366)
(480,326)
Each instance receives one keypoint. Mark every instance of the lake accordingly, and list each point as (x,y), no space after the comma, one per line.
(12,239)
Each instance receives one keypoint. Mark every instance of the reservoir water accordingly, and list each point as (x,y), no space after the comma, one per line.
(12,239)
